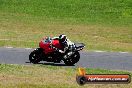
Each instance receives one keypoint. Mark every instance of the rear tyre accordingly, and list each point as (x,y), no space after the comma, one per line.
(35,57)
(72,59)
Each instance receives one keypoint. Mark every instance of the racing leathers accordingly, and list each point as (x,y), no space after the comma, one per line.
(64,45)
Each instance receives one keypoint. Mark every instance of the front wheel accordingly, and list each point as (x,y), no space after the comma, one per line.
(35,57)
(74,58)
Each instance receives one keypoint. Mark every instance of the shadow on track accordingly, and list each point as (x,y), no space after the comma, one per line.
(52,64)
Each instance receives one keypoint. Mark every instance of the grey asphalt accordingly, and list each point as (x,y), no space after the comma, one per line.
(102,60)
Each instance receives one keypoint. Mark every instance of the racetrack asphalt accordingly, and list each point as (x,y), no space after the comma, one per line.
(90,59)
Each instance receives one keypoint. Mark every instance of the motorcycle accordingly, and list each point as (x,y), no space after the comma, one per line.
(48,51)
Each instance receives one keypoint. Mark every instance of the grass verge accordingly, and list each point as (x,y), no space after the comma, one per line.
(19,34)
(41,76)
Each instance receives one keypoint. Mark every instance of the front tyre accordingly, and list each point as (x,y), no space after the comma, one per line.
(74,58)
(35,57)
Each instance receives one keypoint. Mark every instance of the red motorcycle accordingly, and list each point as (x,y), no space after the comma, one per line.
(48,51)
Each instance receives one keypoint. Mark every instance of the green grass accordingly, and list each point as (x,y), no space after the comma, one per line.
(100,24)
(78,11)
(42,76)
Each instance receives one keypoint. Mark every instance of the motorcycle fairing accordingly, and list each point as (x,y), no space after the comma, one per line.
(46,45)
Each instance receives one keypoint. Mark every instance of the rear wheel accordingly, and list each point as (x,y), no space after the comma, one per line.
(72,59)
(35,57)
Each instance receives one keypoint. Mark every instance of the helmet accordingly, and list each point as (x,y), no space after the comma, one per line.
(62,38)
